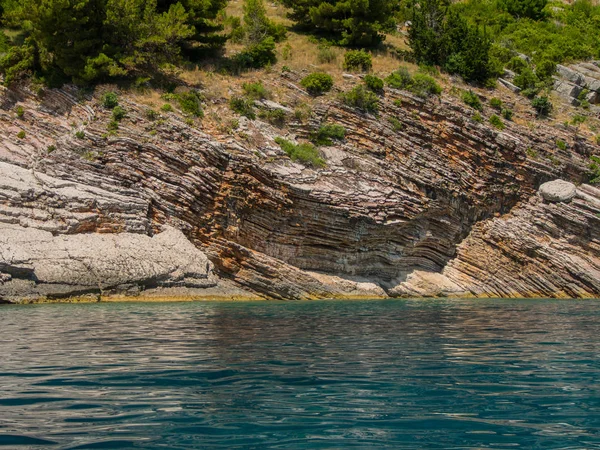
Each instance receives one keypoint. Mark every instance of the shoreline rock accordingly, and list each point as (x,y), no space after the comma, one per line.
(440,205)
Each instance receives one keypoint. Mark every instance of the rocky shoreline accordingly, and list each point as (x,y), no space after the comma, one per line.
(441,206)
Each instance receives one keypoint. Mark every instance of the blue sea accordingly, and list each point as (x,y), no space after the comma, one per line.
(401,374)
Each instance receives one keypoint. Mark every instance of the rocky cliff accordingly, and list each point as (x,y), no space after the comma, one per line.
(418,200)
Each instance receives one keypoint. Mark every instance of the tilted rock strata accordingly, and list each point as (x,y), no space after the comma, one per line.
(542,249)
(390,204)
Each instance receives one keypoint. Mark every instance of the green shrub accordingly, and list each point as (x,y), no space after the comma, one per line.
(80,134)
(496,103)
(420,84)
(257,55)
(166,107)
(532,9)
(507,114)
(374,83)
(561,144)
(542,106)
(362,98)
(595,169)
(545,69)
(424,85)
(477,117)
(527,81)
(275,116)
(472,99)
(396,124)
(317,83)
(113,125)
(305,153)
(191,103)
(243,106)
(151,114)
(327,133)
(21,134)
(400,79)
(441,35)
(20,112)
(358,60)
(497,122)
(517,64)
(51,148)
(118,113)
(256,91)
(110,100)
(578,119)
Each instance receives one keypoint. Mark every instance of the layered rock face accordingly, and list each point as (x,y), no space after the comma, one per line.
(419,200)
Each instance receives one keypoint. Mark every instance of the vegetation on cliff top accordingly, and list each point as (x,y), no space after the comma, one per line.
(141,39)
(407,44)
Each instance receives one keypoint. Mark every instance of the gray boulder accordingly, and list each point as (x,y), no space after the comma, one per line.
(557,191)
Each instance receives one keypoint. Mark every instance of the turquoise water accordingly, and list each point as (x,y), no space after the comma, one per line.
(321,375)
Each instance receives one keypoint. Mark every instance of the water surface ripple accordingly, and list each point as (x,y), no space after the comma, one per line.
(306,375)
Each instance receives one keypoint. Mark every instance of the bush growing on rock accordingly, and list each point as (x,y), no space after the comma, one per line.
(118,113)
(420,84)
(496,103)
(243,106)
(110,100)
(191,103)
(424,85)
(327,133)
(542,106)
(20,112)
(400,79)
(472,99)
(361,98)
(166,107)
(507,114)
(256,91)
(317,83)
(305,153)
(151,114)
(374,83)
(21,134)
(396,124)
(595,169)
(497,122)
(358,60)
(275,117)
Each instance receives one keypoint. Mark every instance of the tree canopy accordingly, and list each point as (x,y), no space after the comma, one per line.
(99,39)
(359,23)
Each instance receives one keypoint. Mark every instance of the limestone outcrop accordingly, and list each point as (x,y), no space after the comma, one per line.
(412,203)
(558,191)
(37,264)
(579,82)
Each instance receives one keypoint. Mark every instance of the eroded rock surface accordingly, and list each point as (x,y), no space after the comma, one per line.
(410,203)
(38,264)
(558,191)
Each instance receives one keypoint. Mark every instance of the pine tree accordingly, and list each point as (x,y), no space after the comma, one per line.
(350,22)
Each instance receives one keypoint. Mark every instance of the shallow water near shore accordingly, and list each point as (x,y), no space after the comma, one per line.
(305,375)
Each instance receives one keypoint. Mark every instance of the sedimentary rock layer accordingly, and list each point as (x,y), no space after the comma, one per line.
(408,192)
